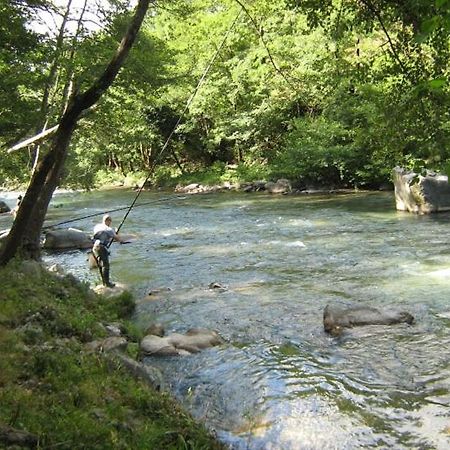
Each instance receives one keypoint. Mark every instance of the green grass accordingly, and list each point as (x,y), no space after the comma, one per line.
(70,398)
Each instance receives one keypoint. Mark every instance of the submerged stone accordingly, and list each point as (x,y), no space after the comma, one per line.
(4,208)
(335,318)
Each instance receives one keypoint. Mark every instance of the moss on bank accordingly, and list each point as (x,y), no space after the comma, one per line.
(65,396)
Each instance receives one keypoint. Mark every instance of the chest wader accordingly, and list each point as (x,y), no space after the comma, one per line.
(101,254)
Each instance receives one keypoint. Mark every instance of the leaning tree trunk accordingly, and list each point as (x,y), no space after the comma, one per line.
(25,233)
(26,230)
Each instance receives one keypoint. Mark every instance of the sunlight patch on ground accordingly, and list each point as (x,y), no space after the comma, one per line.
(118,289)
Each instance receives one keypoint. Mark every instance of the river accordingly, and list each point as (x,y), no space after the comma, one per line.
(279,381)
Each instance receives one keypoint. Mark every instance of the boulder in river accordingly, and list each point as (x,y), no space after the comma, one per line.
(281,186)
(421,194)
(4,208)
(66,238)
(335,318)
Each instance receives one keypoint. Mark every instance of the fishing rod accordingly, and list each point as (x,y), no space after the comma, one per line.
(200,82)
(164,147)
(113,210)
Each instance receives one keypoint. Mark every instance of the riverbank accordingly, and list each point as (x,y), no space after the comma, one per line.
(215,178)
(59,390)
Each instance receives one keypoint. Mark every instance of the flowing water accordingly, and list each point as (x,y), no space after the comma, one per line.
(279,381)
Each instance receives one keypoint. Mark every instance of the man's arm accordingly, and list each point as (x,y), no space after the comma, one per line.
(118,238)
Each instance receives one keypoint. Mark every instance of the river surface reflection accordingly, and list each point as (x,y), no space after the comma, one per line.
(280,382)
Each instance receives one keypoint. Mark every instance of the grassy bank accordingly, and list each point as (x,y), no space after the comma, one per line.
(64,395)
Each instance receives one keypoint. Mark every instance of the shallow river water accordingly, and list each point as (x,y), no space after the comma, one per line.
(280,382)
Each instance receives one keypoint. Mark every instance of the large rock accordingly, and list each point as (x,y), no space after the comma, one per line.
(335,319)
(4,208)
(177,344)
(149,374)
(195,188)
(421,194)
(282,186)
(15,438)
(254,186)
(66,238)
(109,344)
(118,289)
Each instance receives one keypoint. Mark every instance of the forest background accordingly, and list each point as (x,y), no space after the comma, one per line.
(329,92)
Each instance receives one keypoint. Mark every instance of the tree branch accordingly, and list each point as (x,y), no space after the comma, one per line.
(33,140)
(260,32)
(377,15)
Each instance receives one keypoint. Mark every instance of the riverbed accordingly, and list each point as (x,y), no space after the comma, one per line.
(279,381)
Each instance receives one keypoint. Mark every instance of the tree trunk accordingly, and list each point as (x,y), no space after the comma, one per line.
(26,230)
(50,85)
(24,237)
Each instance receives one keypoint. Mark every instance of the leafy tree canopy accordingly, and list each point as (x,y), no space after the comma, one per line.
(335,91)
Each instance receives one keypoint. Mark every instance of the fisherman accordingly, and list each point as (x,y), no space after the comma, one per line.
(104,235)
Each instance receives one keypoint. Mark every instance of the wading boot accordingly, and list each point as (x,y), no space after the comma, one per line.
(106,281)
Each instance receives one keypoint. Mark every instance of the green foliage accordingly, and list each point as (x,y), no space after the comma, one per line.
(216,174)
(318,151)
(118,137)
(320,80)
(17,61)
(253,170)
(20,55)
(53,387)
(416,165)
(165,176)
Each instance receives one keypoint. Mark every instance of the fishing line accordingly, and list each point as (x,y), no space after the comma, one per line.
(200,82)
(163,149)
(113,210)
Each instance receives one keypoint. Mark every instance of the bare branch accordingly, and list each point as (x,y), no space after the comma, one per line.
(33,140)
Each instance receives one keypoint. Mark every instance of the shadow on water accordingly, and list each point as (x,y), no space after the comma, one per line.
(280,382)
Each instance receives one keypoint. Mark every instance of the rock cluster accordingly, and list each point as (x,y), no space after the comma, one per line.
(281,186)
(176,344)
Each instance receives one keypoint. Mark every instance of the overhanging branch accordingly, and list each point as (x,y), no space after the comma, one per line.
(44,134)
(33,140)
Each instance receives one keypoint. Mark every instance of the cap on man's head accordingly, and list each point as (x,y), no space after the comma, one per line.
(106,217)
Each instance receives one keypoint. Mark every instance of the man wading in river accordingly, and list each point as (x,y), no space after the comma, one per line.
(103,237)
